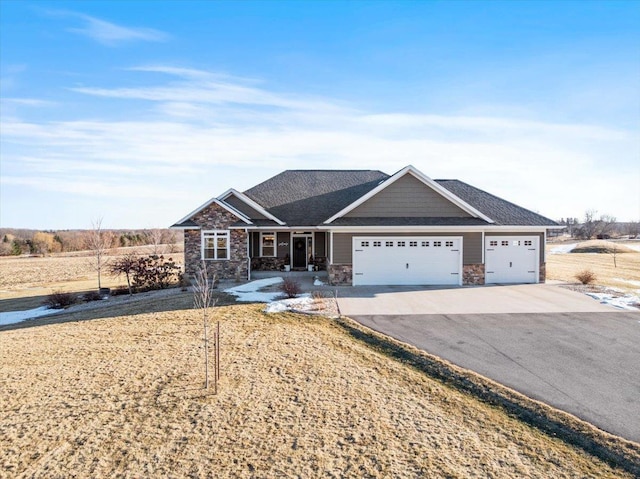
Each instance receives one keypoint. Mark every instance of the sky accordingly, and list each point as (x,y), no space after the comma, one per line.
(138,112)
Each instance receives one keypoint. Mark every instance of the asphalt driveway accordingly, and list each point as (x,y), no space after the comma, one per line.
(584,362)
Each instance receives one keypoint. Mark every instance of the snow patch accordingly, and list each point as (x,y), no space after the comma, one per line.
(301,303)
(628,301)
(12,317)
(250,292)
(563,248)
(317,282)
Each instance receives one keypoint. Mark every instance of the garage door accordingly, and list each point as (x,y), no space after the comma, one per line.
(407,260)
(511,259)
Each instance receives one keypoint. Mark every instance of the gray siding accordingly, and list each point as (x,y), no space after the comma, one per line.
(283,240)
(244,208)
(319,242)
(407,197)
(471,245)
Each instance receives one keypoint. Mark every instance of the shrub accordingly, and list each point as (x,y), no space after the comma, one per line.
(60,300)
(586,276)
(91,296)
(290,288)
(154,272)
(119,291)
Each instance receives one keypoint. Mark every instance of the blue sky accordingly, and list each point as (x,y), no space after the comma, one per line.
(141,111)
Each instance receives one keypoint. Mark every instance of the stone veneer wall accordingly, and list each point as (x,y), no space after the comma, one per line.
(473,274)
(340,274)
(215,217)
(543,272)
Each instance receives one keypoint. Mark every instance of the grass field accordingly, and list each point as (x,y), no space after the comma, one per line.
(118,392)
(624,276)
(26,281)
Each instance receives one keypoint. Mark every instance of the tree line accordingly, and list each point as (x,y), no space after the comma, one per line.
(603,226)
(25,241)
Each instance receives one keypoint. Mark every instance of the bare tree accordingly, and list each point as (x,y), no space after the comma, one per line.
(98,241)
(156,235)
(605,225)
(203,299)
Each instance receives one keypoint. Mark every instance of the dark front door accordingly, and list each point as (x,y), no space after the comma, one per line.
(300,252)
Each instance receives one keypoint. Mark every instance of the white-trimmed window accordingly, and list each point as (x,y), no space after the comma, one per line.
(215,244)
(267,244)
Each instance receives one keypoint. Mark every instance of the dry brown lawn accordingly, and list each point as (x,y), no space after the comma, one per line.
(626,276)
(299,397)
(26,281)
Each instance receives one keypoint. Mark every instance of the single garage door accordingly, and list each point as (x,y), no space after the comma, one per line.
(511,259)
(407,260)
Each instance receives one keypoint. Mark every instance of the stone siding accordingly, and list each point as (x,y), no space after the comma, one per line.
(543,272)
(473,274)
(215,217)
(341,274)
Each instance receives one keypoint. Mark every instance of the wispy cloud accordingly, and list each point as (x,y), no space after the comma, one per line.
(204,133)
(108,33)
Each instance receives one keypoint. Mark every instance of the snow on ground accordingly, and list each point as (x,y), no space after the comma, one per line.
(627,302)
(301,303)
(250,292)
(563,248)
(633,246)
(317,282)
(12,317)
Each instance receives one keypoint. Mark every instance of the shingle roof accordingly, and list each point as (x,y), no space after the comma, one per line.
(501,211)
(409,221)
(309,197)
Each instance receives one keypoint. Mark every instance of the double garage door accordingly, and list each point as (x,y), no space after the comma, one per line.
(407,260)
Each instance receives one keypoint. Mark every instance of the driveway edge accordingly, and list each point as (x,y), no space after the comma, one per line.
(615,451)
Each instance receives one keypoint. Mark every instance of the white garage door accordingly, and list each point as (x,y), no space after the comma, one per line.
(407,260)
(511,259)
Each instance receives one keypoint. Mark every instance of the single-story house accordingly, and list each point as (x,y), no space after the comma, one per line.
(368,228)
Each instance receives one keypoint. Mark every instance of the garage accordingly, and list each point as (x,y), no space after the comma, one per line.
(403,260)
(511,259)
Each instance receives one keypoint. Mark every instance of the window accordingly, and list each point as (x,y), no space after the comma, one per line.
(505,243)
(448,243)
(425,244)
(493,243)
(377,243)
(413,244)
(437,244)
(516,243)
(528,243)
(215,245)
(388,243)
(401,243)
(267,244)
(364,244)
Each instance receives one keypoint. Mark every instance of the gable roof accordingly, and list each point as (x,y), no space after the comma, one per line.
(309,197)
(188,223)
(299,198)
(428,182)
(250,203)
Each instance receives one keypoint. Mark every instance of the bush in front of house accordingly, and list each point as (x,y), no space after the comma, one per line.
(60,300)
(290,288)
(586,276)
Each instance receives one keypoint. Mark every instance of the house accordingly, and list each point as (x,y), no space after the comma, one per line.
(367,228)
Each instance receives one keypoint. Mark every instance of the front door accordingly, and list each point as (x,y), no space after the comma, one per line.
(301,251)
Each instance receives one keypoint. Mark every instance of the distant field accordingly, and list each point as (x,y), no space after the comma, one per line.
(626,276)
(25,281)
(120,394)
